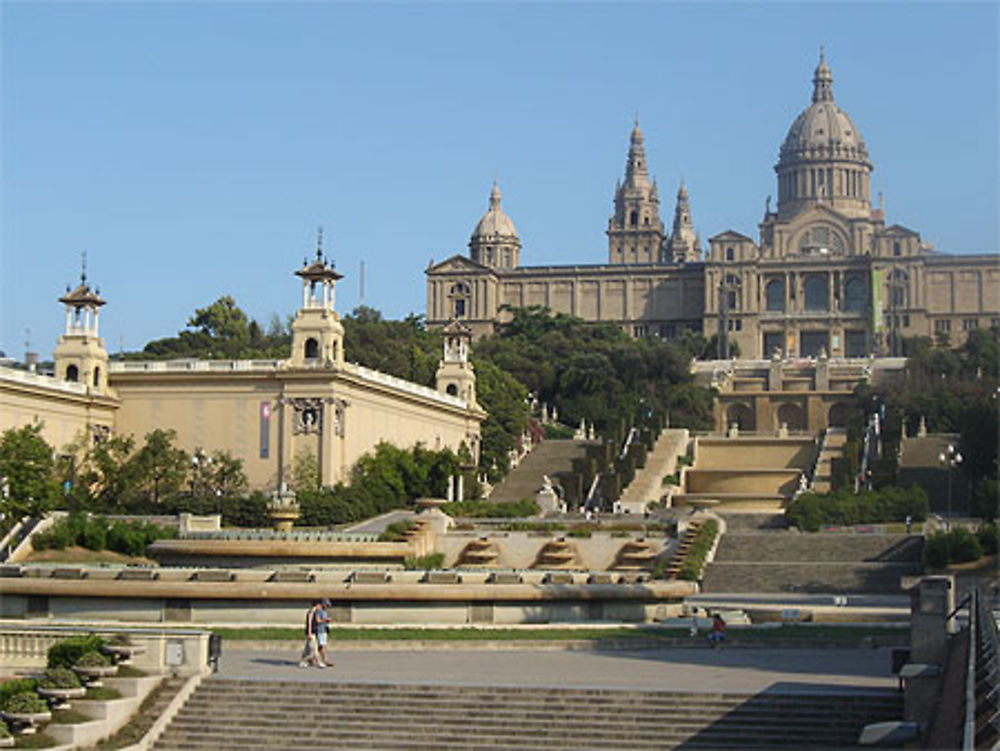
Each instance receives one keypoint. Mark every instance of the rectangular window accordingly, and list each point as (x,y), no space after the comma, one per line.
(906,320)
(459,308)
(638,331)
(265,429)
(668,331)
(942,326)
(970,324)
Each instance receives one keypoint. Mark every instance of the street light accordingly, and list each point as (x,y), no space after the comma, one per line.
(949,458)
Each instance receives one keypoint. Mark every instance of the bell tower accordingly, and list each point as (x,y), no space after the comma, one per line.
(317,334)
(455,375)
(635,231)
(79,355)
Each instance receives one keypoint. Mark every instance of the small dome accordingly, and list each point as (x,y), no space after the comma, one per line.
(495,224)
(823,131)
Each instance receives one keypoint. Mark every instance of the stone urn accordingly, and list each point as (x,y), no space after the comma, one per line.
(122,654)
(92,674)
(59,697)
(283,510)
(25,723)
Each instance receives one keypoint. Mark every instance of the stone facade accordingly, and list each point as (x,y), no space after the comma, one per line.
(825,275)
(264,412)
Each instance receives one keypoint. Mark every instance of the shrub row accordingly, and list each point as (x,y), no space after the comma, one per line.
(93,532)
(67,652)
(424,562)
(486,510)
(810,511)
(694,560)
(960,545)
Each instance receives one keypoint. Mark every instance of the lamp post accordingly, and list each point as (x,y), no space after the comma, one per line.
(949,458)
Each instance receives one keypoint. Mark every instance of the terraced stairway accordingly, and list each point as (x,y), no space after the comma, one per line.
(234,714)
(789,561)
(548,458)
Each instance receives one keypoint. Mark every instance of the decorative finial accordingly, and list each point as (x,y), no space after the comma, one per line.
(822,54)
(83,268)
(319,243)
(495,196)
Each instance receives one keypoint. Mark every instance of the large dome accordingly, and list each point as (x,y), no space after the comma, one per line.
(494,225)
(823,131)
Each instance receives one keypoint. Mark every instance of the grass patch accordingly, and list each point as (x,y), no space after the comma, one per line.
(38,740)
(103,693)
(69,717)
(130,671)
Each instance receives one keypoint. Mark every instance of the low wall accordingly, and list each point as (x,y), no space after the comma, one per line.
(408,600)
(753,452)
(760,481)
(177,651)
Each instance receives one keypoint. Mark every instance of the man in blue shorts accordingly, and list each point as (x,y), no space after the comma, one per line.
(321,627)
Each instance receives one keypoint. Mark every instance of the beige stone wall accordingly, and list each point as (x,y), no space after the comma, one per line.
(222,411)
(67,411)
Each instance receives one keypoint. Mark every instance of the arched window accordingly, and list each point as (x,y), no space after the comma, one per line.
(452,389)
(817,297)
(72,373)
(897,249)
(633,218)
(730,254)
(97,377)
(775,293)
(311,349)
(855,295)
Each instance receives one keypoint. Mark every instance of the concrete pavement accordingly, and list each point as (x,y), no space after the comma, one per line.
(729,670)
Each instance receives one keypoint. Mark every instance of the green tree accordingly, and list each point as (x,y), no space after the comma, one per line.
(504,399)
(305,472)
(109,471)
(226,474)
(27,473)
(161,467)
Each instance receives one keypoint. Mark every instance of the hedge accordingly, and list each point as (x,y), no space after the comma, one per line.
(93,532)
(810,511)
(958,545)
(66,653)
(487,510)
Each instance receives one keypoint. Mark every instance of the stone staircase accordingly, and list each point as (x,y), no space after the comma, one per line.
(547,458)
(791,561)
(647,485)
(833,446)
(238,714)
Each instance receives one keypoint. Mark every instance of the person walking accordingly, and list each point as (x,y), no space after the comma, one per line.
(310,652)
(321,627)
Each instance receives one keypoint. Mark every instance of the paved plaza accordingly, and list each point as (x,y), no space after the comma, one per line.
(729,670)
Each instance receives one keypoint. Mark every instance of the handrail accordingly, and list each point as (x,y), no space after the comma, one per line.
(981,725)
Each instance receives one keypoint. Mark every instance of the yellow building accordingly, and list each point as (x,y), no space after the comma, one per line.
(265,412)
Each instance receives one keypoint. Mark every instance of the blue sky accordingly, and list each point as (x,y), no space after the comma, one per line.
(193,148)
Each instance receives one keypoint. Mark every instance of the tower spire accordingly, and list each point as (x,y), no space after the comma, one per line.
(822,80)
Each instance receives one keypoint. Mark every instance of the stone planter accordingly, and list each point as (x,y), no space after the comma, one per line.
(92,675)
(122,654)
(26,723)
(59,697)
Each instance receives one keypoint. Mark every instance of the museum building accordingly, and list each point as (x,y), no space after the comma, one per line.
(825,275)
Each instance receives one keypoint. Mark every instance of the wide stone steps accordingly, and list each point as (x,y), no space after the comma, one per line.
(547,458)
(235,714)
(819,548)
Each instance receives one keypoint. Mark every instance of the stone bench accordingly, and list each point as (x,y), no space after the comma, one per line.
(213,575)
(504,577)
(442,577)
(138,574)
(69,573)
(558,577)
(370,577)
(297,577)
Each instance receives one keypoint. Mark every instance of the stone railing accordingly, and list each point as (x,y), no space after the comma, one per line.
(176,651)
(384,379)
(45,381)
(181,366)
